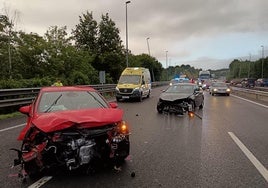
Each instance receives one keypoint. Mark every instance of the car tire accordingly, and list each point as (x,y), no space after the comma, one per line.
(193,105)
(140,98)
(160,108)
(201,105)
(149,94)
(32,170)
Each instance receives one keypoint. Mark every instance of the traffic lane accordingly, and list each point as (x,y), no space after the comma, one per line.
(247,120)
(223,160)
(8,175)
(165,149)
(10,122)
(9,131)
(219,163)
(253,130)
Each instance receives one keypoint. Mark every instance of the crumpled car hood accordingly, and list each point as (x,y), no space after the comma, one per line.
(174,96)
(88,118)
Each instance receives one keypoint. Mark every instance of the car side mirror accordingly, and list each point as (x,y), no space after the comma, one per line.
(25,109)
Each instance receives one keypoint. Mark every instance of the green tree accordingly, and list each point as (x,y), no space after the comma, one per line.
(144,60)
(30,49)
(108,38)
(56,44)
(71,64)
(110,50)
(85,33)
(6,40)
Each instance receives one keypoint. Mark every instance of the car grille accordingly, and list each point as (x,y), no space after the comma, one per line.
(125,90)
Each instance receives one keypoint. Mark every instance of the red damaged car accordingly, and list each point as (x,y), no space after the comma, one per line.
(71,127)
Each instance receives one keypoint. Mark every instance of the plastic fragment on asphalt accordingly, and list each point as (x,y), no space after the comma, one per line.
(133,174)
(118,169)
(128,158)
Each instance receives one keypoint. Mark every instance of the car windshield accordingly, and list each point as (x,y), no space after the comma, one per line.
(129,79)
(70,100)
(180,89)
(204,76)
(219,85)
(180,80)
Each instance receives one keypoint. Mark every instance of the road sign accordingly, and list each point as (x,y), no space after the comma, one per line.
(102,77)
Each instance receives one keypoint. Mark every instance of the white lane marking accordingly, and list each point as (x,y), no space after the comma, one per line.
(16,126)
(250,156)
(40,182)
(250,101)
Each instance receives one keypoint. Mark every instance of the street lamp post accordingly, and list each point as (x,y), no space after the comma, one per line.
(262,61)
(150,55)
(167,64)
(126,35)
(148,45)
(249,65)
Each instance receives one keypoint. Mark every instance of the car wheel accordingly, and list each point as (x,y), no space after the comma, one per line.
(149,94)
(160,108)
(32,170)
(201,105)
(140,98)
(193,105)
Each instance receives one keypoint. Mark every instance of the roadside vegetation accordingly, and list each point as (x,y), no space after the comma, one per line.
(10,115)
(248,69)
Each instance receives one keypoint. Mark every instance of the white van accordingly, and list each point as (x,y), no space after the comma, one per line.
(134,83)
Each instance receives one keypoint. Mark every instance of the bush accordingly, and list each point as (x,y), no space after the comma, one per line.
(26,83)
(78,78)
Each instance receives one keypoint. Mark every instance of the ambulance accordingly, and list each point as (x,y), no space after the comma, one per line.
(134,83)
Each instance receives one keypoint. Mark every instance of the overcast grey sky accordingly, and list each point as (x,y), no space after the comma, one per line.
(206,34)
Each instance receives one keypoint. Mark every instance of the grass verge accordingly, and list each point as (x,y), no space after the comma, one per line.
(11,115)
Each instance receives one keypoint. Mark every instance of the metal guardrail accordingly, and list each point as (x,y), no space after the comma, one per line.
(23,96)
(250,93)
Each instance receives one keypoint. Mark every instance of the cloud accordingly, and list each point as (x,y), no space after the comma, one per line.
(188,30)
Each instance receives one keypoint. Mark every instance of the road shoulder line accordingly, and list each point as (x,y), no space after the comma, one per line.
(263,171)
(6,129)
(250,101)
(40,182)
